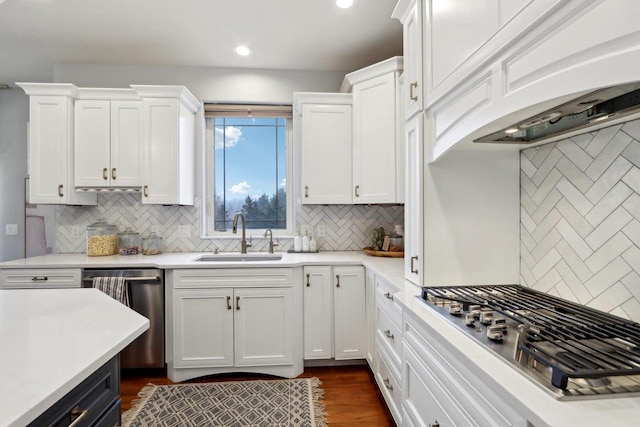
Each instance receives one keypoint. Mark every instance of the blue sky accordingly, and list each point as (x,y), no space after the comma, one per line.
(251,155)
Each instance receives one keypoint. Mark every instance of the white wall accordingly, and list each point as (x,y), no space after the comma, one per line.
(14,108)
(472,215)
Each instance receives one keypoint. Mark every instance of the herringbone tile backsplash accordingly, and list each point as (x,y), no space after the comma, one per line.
(580,219)
(347,228)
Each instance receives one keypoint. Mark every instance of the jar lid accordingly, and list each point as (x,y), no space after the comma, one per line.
(152,236)
(101,224)
(128,232)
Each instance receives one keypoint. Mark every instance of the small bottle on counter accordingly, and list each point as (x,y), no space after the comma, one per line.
(305,242)
(297,242)
(312,244)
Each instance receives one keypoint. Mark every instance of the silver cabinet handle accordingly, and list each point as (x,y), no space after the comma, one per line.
(413,86)
(228,303)
(237,303)
(388,333)
(308,275)
(337,280)
(414,270)
(104,173)
(306,191)
(145,191)
(357,191)
(387,384)
(60,193)
(76,415)
(39,279)
(113,173)
(388,296)
(436,424)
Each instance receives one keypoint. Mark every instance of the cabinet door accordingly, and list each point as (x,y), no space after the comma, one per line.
(126,144)
(203,327)
(92,143)
(263,326)
(326,154)
(318,312)
(350,313)
(374,140)
(160,161)
(413,207)
(370,312)
(413,89)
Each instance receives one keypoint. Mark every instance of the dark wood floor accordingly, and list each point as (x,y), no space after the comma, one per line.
(351,397)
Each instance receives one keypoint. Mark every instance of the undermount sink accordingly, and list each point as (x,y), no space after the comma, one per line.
(239,257)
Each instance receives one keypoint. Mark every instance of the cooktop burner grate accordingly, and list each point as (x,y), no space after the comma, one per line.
(574,341)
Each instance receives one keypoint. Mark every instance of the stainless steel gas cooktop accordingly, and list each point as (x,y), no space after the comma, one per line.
(572,351)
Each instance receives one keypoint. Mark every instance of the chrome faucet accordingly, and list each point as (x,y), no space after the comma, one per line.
(243,244)
(271,244)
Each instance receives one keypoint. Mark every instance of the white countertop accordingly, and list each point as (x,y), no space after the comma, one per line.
(53,339)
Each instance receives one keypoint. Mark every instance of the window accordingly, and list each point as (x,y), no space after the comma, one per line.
(248,165)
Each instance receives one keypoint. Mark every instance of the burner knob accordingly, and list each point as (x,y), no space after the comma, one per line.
(494,333)
(475,310)
(470,319)
(486,317)
(455,308)
(501,322)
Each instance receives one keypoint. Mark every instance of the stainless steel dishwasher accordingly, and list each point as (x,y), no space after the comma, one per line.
(146,294)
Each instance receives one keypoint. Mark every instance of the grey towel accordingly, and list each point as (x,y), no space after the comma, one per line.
(115,287)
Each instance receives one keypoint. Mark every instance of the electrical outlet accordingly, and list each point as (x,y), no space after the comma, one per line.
(321,229)
(11,229)
(184,230)
(75,232)
(304,229)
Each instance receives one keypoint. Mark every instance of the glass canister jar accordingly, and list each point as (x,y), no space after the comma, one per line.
(128,242)
(152,244)
(102,238)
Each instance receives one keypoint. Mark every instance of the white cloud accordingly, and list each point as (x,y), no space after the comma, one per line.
(241,188)
(283,183)
(232,133)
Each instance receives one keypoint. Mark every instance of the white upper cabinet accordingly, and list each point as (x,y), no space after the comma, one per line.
(412,92)
(377,149)
(169,143)
(323,123)
(51,117)
(108,143)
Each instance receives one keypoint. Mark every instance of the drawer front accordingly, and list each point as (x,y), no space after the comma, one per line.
(389,332)
(384,295)
(96,395)
(233,278)
(40,278)
(389,384)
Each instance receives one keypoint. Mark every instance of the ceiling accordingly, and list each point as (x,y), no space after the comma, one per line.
(283,34)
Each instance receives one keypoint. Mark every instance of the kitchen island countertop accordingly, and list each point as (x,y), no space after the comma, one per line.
(53,339)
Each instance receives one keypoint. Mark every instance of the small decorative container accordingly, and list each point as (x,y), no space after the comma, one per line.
(102,239)
(128,242)
(152,244)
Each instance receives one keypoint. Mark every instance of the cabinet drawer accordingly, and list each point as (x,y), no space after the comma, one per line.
(233,278)
(388,381)
(384,293)
(389,332)
(40,278)
(96,395)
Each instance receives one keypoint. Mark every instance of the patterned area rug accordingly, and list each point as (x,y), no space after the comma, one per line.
(294,402)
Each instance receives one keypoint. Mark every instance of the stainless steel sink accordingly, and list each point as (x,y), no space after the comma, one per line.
(238,257)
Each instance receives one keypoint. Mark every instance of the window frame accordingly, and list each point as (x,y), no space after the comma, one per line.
(208,201)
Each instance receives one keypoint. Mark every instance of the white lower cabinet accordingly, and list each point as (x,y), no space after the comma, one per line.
(439,390)
(228,320)
(334,313)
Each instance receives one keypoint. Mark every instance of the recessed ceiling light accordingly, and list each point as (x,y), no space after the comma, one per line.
(243,51)
(511,131)
(344,4)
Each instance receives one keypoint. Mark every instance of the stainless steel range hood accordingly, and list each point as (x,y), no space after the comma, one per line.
(589,110)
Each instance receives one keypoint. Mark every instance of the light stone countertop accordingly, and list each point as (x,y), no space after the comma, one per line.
(527,398)
(53,339)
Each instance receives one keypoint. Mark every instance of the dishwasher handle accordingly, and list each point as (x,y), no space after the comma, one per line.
(132,279)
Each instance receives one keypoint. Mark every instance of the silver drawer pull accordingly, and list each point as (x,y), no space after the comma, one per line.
(387,384)
(436,424)
(76,415)
(388,333)
(39,279)
(388,296)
